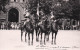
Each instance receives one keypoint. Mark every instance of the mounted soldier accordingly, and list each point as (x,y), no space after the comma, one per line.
(54,27)
(29,26)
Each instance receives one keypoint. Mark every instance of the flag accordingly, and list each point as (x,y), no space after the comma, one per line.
(52,16)
(38,9)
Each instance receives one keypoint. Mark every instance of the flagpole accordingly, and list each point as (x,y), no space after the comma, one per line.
(52,16)
(38,8)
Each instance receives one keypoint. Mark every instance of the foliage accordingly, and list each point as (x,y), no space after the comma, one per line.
(46,6)
(3,4)
(76,9)
(70,9)
(32,6)
(65,10)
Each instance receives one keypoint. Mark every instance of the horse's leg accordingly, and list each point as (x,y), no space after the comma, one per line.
(25,36)
(32,38)
(38,34)
(29,38)
(21,35)
(52,37)
(48,36)
(44,38)
(41,37)
(55,38)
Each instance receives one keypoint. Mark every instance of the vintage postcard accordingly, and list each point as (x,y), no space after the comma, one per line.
(39,24)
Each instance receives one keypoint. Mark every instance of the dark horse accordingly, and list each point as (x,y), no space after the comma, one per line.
(44,28)
(54,29)
(29,28)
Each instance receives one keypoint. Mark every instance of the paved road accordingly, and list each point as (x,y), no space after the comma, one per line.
(66,40)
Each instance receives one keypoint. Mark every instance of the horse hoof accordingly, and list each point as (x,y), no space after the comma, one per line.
(28,43)
(52,43)
(44,43)
(21,40)
(37,40)
(47,39)
(40,43)
(31,43)
(25,41)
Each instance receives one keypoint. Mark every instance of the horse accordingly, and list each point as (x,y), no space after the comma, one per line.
(54,29)
(44,28)
(29,28)
(22,27)
(35,19)
(37,30)
(39,21)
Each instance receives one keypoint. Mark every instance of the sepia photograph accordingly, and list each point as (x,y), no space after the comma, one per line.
(39,24)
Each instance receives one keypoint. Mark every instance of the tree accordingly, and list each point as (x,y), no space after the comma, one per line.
(67,8)
(31,5)
(76,9)
(46,6)
(64,10)
(71,9)
(3,4)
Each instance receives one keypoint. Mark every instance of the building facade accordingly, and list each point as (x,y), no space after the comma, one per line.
(15,11)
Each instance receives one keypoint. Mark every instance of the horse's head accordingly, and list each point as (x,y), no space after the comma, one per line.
(54,22)
(59,22)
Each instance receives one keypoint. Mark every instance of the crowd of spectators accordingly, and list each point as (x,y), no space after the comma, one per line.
(69,24)
(65,25)
(9,25)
